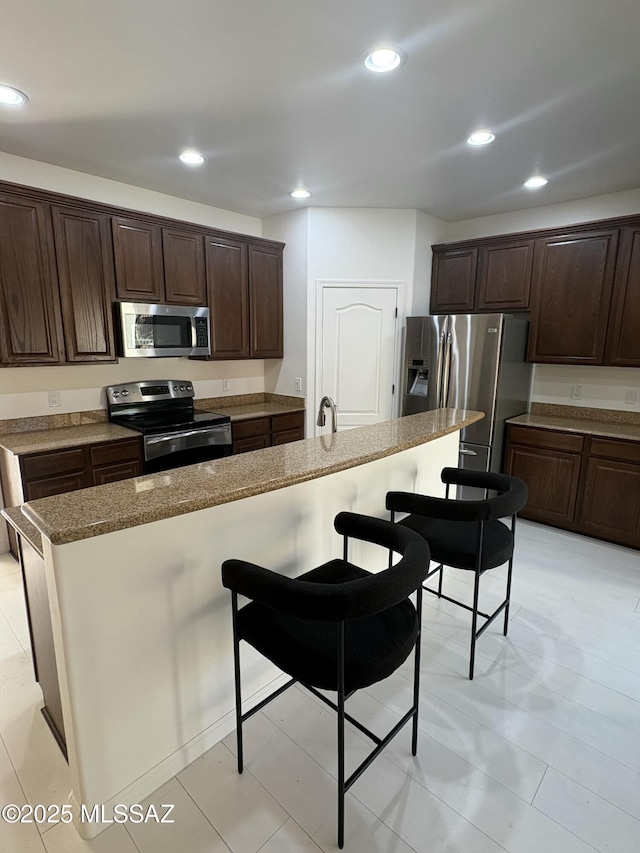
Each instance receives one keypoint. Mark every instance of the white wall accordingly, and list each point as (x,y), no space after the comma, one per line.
(32,173)
(547,216)
(293,229)
(602,387)
(429,230)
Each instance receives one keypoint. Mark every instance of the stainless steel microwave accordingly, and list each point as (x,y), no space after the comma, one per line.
(157,331)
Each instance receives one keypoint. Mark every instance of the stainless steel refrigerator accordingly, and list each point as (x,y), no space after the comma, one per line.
(469,361)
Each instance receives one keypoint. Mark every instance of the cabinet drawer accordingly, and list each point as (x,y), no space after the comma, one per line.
(547,438)
(287,435)
(113,473)
(246,444)
(49,464)
(291,420)
(117,451)
(621,450)
(250,428)
(54,486)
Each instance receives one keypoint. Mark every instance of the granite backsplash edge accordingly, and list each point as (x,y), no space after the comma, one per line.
(96,416)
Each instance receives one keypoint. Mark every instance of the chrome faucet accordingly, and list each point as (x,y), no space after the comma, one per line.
(328,403)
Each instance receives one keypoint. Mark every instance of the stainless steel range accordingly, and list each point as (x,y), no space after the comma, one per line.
(174,432)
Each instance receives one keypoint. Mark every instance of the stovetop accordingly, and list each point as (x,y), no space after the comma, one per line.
(170,421)
(158,406)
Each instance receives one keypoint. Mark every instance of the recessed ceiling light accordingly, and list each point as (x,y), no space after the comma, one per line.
(384,59)
(481,137)
(535,182)
(12,97)
(192,158)
(300,193)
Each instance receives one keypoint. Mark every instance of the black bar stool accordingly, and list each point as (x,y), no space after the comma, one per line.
(467,534)
(337,627)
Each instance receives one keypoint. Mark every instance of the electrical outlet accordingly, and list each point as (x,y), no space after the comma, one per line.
(54,399)
(631,396)
(576,392)
(298,383)
(226,385)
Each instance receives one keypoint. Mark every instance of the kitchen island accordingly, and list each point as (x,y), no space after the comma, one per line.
(140,620)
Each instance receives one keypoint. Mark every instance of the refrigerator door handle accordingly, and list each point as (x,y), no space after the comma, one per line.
(446,369)
(440,373)
(468,453)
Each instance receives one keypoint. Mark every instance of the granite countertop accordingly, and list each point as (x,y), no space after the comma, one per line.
(588,426)
(117,506)
(39,441)
(241,412)
(24,527)
(94,428)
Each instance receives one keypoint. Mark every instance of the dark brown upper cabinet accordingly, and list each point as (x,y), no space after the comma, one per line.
(453,280)
(184,276)
(490,276)
(265,301)
(504,276)
(572,284)
(137,247)
(623,335)
(228,297)
(84,255)
(30,320)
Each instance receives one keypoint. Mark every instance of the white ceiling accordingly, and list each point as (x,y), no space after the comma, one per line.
(275,94)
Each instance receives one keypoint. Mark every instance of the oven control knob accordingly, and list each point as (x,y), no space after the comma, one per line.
(125,393)
(182,388)
(115,393)
(189,388)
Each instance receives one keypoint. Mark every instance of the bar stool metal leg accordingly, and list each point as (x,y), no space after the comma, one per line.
(236,668)
(341,715)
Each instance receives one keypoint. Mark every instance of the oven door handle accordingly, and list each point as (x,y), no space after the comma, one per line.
(158,439)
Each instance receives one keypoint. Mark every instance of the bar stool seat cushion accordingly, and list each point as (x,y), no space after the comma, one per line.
(454,543)
(375,646)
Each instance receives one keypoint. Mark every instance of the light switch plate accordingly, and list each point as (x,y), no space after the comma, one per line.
(226,385)
(54,399)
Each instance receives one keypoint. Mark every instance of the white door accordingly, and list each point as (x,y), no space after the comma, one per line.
(358,353)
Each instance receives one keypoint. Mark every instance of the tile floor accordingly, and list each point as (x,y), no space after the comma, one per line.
(540,754)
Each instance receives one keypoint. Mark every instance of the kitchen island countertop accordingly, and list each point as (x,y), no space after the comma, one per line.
(124,504)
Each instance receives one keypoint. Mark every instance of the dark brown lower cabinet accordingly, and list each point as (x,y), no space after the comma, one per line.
(257,433)
(58,471)
(579,482)
(611,501)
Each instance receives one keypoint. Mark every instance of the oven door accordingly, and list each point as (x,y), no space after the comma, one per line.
(186,447)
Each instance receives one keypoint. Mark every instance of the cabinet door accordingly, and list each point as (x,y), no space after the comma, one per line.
(227,288)
(572,283)
(30,320)
(137,250)
(623,335)
(84,254)
(184,280)
(505,276)
(453,281)
(550,466)
(265,301)
(611,505)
